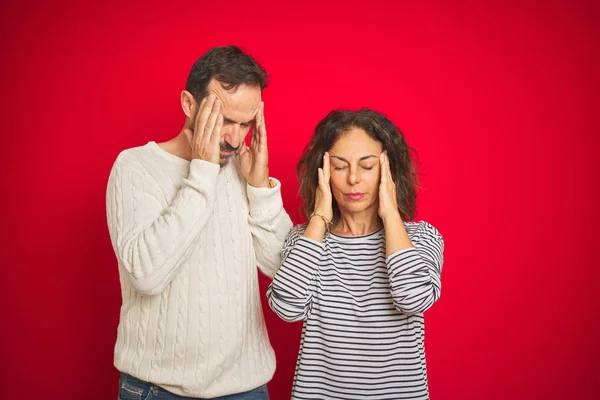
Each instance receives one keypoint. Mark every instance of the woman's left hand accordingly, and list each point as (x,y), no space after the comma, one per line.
(388,205)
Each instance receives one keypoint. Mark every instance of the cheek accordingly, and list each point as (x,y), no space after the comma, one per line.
(371,181)
(336,180)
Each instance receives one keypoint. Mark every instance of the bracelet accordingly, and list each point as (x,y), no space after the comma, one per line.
(325,220)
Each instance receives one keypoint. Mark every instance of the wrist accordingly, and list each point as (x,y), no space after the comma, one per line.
(391,218)
(269,183)
(324,221)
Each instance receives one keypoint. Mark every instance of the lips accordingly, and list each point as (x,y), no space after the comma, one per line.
(355,196)
(226,154)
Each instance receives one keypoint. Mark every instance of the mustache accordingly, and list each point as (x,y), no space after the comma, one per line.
(228,148)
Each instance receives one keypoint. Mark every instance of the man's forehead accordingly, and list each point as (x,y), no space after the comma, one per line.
(239,104)
(238,115)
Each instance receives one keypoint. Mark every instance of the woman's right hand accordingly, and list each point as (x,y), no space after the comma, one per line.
(323,202)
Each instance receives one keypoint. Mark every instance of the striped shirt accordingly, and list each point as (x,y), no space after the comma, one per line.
(363,333)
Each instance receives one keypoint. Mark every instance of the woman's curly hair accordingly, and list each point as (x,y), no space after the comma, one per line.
(378,127)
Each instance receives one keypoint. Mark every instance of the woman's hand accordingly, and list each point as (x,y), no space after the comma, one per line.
(323,202)
(323,213)
(388,204)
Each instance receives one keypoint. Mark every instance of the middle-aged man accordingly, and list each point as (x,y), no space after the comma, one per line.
(190,219)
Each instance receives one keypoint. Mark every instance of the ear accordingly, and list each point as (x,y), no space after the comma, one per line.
(188,104)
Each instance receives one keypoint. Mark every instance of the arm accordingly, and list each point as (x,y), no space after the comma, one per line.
(269,225)
(150,240)
(415,272)
(291,291)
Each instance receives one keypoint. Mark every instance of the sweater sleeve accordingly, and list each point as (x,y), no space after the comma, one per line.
(291,291)
(149,239)
(269,225)
(415,273)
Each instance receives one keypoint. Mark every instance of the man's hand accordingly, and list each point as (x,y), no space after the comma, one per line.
(254,161)
(204,140)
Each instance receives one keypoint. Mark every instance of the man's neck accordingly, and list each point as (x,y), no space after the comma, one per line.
(178,146)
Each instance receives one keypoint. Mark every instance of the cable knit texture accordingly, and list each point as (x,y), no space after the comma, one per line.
(188,237)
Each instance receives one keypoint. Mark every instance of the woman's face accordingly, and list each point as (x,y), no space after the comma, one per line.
(355,172)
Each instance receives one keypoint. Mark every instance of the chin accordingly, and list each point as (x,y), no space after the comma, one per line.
(356,207)
(223,161)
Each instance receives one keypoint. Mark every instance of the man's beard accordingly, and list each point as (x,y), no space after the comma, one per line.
(227,148)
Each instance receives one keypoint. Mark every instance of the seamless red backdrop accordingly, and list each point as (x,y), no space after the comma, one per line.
(501,100)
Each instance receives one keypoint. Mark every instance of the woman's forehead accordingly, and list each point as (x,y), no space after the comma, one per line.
(355,142)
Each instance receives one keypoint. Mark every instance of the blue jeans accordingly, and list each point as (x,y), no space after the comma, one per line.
(131,388)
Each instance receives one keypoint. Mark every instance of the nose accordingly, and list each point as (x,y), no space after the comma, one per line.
(233,136)
(354,176)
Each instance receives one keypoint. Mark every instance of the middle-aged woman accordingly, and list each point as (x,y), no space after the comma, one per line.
(360,273)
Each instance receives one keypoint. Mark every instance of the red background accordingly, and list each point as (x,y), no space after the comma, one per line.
(501,100)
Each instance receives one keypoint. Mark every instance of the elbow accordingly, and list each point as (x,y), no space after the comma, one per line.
(142,278)
(413,305)
(148,287)
(289,316)
(268,268)
(284,310)
(268,260)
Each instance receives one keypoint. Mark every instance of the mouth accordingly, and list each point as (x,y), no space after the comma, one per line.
(354,196)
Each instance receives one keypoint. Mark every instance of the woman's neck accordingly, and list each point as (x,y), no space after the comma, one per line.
(358,224)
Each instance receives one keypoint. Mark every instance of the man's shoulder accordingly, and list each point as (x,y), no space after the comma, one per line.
(133,157)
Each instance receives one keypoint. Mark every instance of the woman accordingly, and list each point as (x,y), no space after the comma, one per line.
(360,273)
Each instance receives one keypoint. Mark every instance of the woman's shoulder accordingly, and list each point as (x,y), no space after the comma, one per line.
(296,232)
(422,230)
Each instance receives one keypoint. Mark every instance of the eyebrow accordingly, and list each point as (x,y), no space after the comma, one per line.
(230,121)
(361,159)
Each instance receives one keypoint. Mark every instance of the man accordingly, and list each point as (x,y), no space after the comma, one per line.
(190,219)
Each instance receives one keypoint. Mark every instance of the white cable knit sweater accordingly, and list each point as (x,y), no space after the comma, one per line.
(188,237)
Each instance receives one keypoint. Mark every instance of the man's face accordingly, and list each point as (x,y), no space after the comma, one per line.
(239,107)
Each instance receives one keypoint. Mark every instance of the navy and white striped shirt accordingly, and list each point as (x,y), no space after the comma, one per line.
(363,333)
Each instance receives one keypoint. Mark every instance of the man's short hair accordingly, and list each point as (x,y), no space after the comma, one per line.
(227,64)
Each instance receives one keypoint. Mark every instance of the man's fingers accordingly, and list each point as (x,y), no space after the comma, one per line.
(203,117)
(209,128)
(262,127)
(196,121)
(215,138)
(255,141)
(188,134)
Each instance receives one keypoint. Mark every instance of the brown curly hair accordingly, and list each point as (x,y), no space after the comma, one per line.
(402,158)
